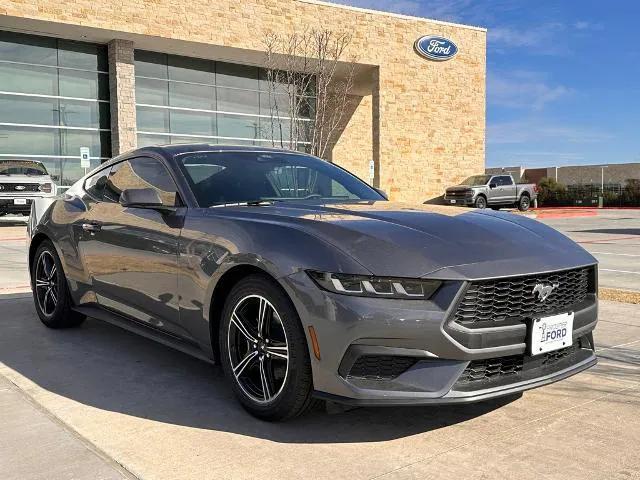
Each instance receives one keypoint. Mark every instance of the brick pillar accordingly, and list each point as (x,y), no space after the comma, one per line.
(122,90)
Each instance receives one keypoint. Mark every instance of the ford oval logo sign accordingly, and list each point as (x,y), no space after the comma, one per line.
(436,48)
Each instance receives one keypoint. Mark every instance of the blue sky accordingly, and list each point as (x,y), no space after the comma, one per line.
(563,77)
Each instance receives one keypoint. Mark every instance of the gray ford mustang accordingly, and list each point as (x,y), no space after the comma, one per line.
(306,283)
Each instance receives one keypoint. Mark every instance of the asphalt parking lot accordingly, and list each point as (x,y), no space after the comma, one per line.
(98,402)
(612,236)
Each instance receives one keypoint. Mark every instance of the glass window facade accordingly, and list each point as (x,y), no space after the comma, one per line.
(184,100)
(54,99)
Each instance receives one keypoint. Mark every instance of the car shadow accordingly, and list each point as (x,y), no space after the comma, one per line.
(10,222)
(102,366)
(612,231)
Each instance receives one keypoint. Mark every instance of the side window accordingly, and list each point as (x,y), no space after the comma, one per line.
(94,185)
(141,172)
(506,181)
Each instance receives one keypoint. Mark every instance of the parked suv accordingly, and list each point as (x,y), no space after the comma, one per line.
(21,181)
(493,191)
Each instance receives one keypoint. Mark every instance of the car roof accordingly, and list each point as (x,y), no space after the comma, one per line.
(169,152)
(178,149)
(21,160)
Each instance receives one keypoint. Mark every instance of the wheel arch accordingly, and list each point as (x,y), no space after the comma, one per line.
(483,195)
(36,241)
(220,293)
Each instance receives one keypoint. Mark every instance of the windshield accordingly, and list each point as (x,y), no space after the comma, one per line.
(19,167)
(219,178)
(476,180)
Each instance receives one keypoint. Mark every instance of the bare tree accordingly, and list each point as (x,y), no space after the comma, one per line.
(309,80)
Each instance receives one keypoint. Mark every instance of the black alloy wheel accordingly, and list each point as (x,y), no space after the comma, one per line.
(50,290)
(264,351)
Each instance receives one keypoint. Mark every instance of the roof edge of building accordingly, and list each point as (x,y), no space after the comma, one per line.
(391,14)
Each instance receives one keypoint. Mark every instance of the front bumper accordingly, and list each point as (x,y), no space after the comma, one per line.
(459,200)
(402,352)
(9,205)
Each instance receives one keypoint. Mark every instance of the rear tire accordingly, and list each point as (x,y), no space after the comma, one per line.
(267,385)
(481,202)
(51,291)
(524,203)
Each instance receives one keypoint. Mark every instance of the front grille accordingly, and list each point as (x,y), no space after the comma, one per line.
(505,368)
(380,367)
(513,298)
(11,187)
(491,368)
(459,194)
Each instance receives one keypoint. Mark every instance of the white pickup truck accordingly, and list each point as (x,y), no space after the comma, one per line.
(494,191)
(21,182)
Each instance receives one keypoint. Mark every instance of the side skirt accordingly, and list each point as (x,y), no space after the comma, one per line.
(166,339)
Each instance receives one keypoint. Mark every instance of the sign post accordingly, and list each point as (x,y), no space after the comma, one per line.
(85,158)
(372,171)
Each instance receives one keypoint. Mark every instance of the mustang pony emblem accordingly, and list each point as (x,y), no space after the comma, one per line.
(542,291)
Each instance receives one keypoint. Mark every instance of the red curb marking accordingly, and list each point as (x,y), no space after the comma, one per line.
(14,239)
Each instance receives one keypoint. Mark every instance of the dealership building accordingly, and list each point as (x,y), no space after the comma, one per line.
(115,75)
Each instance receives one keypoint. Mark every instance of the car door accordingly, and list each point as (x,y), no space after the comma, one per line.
(133,262)
(508,189)
(498,194)
(493,194)
(79,206)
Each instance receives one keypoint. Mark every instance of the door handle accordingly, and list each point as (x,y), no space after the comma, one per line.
(91,227)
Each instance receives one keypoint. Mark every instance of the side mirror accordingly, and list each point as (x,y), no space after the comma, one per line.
(142,198)
(381,192)
(492,185)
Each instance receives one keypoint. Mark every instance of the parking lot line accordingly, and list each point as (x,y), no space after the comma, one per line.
(618,254)
(619,271)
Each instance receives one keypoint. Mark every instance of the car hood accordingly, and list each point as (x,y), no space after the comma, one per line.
(394,239)
(24,178)
(459,188)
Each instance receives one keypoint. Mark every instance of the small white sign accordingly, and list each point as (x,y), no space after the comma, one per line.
(551,333)
(85,157)
(372,170)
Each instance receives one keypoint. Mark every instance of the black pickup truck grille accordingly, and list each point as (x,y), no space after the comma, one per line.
(17,187)
(514,298)
(458,193)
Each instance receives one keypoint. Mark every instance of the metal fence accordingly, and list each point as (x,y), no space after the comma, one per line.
(613,195)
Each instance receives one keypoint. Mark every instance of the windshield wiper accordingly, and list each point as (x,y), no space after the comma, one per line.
(250,203)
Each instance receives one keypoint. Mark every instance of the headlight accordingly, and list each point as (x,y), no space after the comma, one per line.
(46,188)
(366,286)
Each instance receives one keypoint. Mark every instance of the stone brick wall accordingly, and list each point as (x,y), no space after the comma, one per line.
(427,119)
(122,92)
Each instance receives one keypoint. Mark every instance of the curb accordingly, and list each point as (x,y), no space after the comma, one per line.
(617,295)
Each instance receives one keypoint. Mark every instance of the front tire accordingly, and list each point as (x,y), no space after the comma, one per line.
(481,202)
(50,290)
(264,350)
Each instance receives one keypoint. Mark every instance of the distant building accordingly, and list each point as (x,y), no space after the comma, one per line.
(609,174)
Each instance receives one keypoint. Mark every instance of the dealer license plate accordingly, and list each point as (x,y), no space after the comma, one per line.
(551,333)
(452,201)
(19,201)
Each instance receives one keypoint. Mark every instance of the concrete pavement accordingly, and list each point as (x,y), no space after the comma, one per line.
(34,445)
(612,236)
(161,414)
